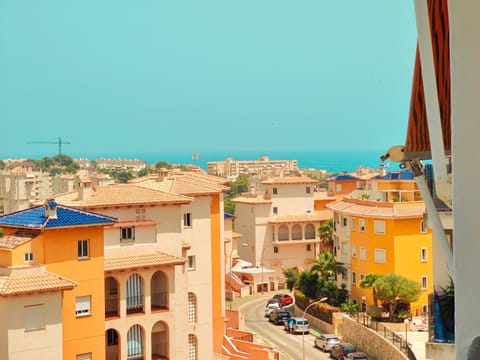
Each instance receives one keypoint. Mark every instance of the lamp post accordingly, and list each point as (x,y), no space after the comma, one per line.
(303,332)
(406,321)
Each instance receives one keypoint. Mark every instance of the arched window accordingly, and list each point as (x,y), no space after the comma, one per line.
(192,308)
(297,232)
(309,231)
(192,347)
(159,291)
(134,294)
(283,233)
(135,342)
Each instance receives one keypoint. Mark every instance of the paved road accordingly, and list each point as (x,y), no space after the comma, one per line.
(291,346)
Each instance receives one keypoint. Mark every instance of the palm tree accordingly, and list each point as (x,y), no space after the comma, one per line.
(326,233)
(368,281)
(327,266)
(291,276)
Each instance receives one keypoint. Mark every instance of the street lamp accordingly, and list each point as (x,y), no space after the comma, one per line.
(406,321)
(303,332)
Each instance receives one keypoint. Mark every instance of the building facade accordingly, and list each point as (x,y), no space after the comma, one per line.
(264,166)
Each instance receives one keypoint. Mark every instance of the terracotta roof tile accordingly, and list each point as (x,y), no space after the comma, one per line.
(367,210)
(141,260)
(182,184)
(290,180)
(16,239)
(121,194)
(317,216)
(18,283)
(247,198)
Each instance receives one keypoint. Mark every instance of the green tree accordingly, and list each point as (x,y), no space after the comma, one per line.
(349,307)
(123,176)
(393,288)
(326,233)
(162,164)
(63,159)
(291,276)
(327,266)
(368,281)
(308,283)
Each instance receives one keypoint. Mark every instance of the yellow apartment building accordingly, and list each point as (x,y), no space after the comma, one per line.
(51,284)
(383,231)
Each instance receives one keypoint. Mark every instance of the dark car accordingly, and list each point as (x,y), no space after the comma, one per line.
(279,316)
(340,351)
(285,299)
(357,356)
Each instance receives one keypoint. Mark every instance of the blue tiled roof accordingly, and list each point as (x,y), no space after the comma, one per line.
(66,216)
(228,216)
(397,175)
(342,177)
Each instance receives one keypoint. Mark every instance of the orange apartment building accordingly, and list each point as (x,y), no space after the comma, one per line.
(51,284)
(382,230)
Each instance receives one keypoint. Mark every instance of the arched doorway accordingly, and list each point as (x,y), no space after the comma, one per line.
(160,341)
(112,347)
(159,291)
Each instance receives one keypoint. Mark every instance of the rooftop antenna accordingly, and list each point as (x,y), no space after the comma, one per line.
(59,142)
(195,158)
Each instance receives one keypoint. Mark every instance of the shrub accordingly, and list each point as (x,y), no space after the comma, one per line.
(374,311)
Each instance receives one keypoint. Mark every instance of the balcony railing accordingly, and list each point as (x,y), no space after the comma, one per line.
(160,350)
(111,308)
(135,304)
(159,300)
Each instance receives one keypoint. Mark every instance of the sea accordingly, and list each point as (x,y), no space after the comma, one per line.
(333,161)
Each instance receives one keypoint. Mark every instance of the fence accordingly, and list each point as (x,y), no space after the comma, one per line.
(391,336)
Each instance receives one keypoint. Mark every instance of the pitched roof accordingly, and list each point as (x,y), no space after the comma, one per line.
(289,180)
(21,282)
(343,177)
(256,198)
(155,258)
(121,195)
(16,239)
(317,216)
(37,218)
(399,210)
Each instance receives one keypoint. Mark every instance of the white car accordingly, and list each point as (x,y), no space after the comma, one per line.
(270,308)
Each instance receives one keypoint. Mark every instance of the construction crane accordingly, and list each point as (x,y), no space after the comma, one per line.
(59,142)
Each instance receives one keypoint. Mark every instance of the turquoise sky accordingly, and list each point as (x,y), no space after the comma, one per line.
(183,76)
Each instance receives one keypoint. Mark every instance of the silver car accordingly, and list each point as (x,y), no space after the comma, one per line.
(297,325)
(325,342)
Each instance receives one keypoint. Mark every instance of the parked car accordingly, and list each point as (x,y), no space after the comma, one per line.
(297,325)
(279,316)
(270,308)
(325,342)
(357,356)
(285,299)
(341,350)
(272,300)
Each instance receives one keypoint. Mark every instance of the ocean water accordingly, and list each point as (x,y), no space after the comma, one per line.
(329,160)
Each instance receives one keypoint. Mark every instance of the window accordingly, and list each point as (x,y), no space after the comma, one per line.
(34,317)
(352,224)
(363,253)
(191,262)
(275,249)
(307,190)
(112,337)
(379,227)
(361,277)
(275,210)
(187,220)
(84,356)
(140,214)
(361,225)
(354,250)
(192,347)
(275,191)
(82,305)
(380,256)
(127,233)
(354,278)
(83,249)
(309,247)
(135,342)
(192,308)
(423,227)
(28,257)
(345,222)
(338,187)
(423,254)
(424,282)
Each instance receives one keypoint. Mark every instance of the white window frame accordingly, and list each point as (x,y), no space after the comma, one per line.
(192,262)
(354,250)
(363,253)
(83,249)
(361,225)
(338,187)
(423,227)
(34,317)
(424,282)
(380,256)
(28,257)
(83,306)
(87,356)
(352,224)
(423,254)
(187,220)
(379,227)
(127,234)
(345,221)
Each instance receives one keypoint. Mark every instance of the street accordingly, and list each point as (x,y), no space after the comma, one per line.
(290,346)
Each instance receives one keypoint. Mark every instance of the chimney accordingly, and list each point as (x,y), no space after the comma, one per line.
(162,174)
(85,189)
(50,207)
